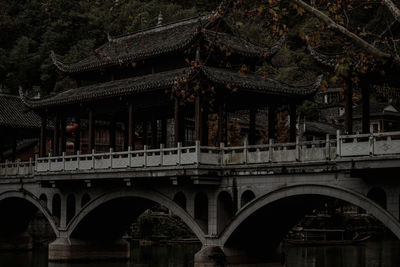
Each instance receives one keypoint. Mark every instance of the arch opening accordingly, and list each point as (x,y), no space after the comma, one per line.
(112,215)
(246,197)
(180,199)
(23,224)
(378,195)
(268,218)
(201,210)
(225,210)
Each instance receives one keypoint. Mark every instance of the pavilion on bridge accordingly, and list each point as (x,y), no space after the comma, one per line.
(164,85)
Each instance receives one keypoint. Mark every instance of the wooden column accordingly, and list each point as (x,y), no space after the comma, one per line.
(198,131)
(43,127)
(348,108)
(292,125)
(164,131)
(131,127)
(154,133)
(252,126)
(77,141)
(222,123)
(365,107)
(14,147)
(56,139)
(144,133)
(177,123)
(204,126)
(63,136)
(272,122)
(91,137)
(112,134)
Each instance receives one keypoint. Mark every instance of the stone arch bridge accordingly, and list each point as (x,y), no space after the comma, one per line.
(232,198)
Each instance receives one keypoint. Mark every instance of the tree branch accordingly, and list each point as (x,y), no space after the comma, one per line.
(375,52)
(393,9)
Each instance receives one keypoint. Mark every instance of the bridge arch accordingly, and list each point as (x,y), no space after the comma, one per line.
(341,193)
(34,201)
(152,196)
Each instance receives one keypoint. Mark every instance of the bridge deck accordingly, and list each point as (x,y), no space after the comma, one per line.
(344,146)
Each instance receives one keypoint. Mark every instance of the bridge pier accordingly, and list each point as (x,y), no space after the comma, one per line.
(71,249)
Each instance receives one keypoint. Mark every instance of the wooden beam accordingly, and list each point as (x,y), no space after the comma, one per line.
(77,141)
(56,139)
(198,133)
(272,122)
(91,137)
(63,136)
(348,108)
(252,126)
(292,125)
(365,107)
(131,127)
(43,128)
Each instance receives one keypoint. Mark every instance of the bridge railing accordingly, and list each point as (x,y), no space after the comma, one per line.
(374,144)
(301,151)
(17,168)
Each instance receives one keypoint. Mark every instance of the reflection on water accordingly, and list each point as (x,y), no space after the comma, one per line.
(369,254)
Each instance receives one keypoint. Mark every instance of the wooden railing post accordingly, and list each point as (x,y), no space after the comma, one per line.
(270,150)
(338,144)
(327,147)
(129,157)
(111,158)
(197,143)
(245,151)
(49,166)
(161,154)
(222,152)
(298,157)
(78,158)
(179,153)
(93,159)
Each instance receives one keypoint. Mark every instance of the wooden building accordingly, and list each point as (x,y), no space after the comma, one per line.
(160,85)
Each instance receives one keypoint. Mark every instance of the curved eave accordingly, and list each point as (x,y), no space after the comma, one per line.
(329,61)
(256,83)
(108,90)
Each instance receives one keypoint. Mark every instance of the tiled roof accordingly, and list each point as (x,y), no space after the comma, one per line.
(259,83)
(13,113)
(158,41)
(166,80)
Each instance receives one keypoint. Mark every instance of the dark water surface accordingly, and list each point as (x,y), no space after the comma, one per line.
(370,254)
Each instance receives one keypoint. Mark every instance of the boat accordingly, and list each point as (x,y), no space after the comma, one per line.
(322,237)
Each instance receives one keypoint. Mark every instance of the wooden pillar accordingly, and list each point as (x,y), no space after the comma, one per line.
(177,123)
(164,131)
(91,137)
(204,126)
(77,141)
(112,134)
(131,127)
(154,133)
(198,131)
(63,136)
(292,125)
(222,123)
(14,147)
(272,122)
(365,107)
(252,126)
(144,133)
(348,108)
(56,139)
(43,128)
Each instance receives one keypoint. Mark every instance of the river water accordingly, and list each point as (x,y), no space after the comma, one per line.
(369,254)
